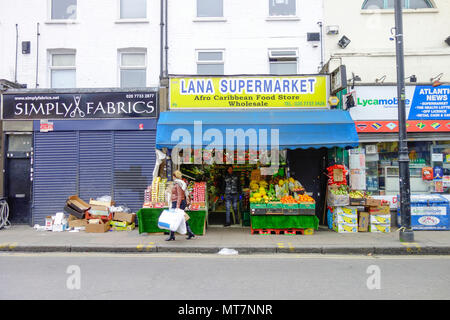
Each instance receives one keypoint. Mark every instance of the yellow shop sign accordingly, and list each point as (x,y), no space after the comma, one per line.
(249,92)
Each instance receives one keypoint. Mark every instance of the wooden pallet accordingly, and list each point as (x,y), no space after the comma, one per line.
(292,231)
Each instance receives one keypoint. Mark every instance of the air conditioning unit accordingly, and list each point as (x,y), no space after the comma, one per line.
(371,149)
(332,30)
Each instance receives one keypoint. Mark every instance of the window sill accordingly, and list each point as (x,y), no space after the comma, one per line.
(210,19)
(392,11)
(61,22)
(132,21)
(283,18)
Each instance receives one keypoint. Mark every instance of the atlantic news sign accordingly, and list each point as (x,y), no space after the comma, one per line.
(92,105)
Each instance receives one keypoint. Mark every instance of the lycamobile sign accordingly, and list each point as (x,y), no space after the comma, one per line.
(249,92)
(381,103)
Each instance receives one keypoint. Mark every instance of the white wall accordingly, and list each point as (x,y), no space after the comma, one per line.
(245,33)
(95,35)
(371,54)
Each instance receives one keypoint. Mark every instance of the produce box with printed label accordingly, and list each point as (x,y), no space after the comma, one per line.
(380,219)
(383,228)
(345,228)
(337,196)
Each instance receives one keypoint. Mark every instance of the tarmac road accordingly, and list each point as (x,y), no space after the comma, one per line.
(181,276)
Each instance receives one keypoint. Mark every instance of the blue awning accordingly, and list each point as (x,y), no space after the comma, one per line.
(295,129)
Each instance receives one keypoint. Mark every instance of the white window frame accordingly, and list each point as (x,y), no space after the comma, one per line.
(209,19)
(293,17)
(50,19)
(141,51)
(132,20)
(53,52)
(283,58)
(434,9)
(217,62)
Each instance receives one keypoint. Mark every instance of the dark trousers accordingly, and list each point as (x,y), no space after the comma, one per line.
(231,199)
(182,207)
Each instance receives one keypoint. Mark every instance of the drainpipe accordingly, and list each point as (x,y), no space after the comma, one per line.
(166,74)
(17,49)
(161,39)
(37,54)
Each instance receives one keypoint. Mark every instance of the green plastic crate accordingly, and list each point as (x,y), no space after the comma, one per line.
(275,205)
(290,206)
(258,205)
(306,205)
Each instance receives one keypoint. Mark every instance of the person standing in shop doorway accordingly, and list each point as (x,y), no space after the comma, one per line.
(232,193)
(179,199)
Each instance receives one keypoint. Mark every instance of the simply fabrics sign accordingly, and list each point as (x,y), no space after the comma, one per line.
(247,92)
(97,105)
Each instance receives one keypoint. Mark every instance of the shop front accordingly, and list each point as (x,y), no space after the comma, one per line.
(374,166)
(274,132)
(88,143)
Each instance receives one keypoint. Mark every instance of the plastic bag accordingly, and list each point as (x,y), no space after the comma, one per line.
(171,220)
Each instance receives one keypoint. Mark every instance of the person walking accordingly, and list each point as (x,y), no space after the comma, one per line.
(232,193)
(179,200)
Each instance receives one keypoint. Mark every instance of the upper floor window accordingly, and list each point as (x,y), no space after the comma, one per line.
(133,69)
(210,62)
(389,4)
(133,9)
(283,61)
(64,9)
(62,69)
(209,8)
(282,8)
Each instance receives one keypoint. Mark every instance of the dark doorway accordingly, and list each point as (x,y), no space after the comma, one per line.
(17,177)
(308,167)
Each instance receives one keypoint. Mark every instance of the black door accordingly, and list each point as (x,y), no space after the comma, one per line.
(308,167)
(17,178)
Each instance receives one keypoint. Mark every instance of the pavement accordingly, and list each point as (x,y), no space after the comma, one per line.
(23,238)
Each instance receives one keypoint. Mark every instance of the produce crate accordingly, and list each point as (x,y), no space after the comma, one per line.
(275,205)
(357,201)
(274,211)
(307,205)
(291,212)
(307,212)
(259,212)
(290,206)
(258,205)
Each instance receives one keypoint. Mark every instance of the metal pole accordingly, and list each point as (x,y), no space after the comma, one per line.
(406,233)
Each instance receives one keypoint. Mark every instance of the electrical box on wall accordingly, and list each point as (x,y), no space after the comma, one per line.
(26,47)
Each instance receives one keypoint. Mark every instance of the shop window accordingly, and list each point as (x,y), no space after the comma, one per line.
(133,9)
(63,9)
(209,8)
(282,7)
(210,62)
(283,61)
(133,69)
(389,4)
(62,70)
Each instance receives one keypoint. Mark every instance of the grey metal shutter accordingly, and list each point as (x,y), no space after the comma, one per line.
(134,161)
(55,172)
(95,166)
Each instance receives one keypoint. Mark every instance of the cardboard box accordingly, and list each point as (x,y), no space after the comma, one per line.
(74,222)
(371,202)
(347,211)
(70,211)
(101,203)
(48,223)
(100,227)
(123,216)
(380,219)
(97,210)
(76,203)
(383,228)
(357,201)
(334,200)
(350,220)
(127,228)
(114,223)
(345,228)
(363,221)
(383,210)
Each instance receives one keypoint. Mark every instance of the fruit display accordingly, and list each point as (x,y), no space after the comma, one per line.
(199,192)
(342,190)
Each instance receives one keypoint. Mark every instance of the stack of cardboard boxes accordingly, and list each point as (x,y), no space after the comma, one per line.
(362,215)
